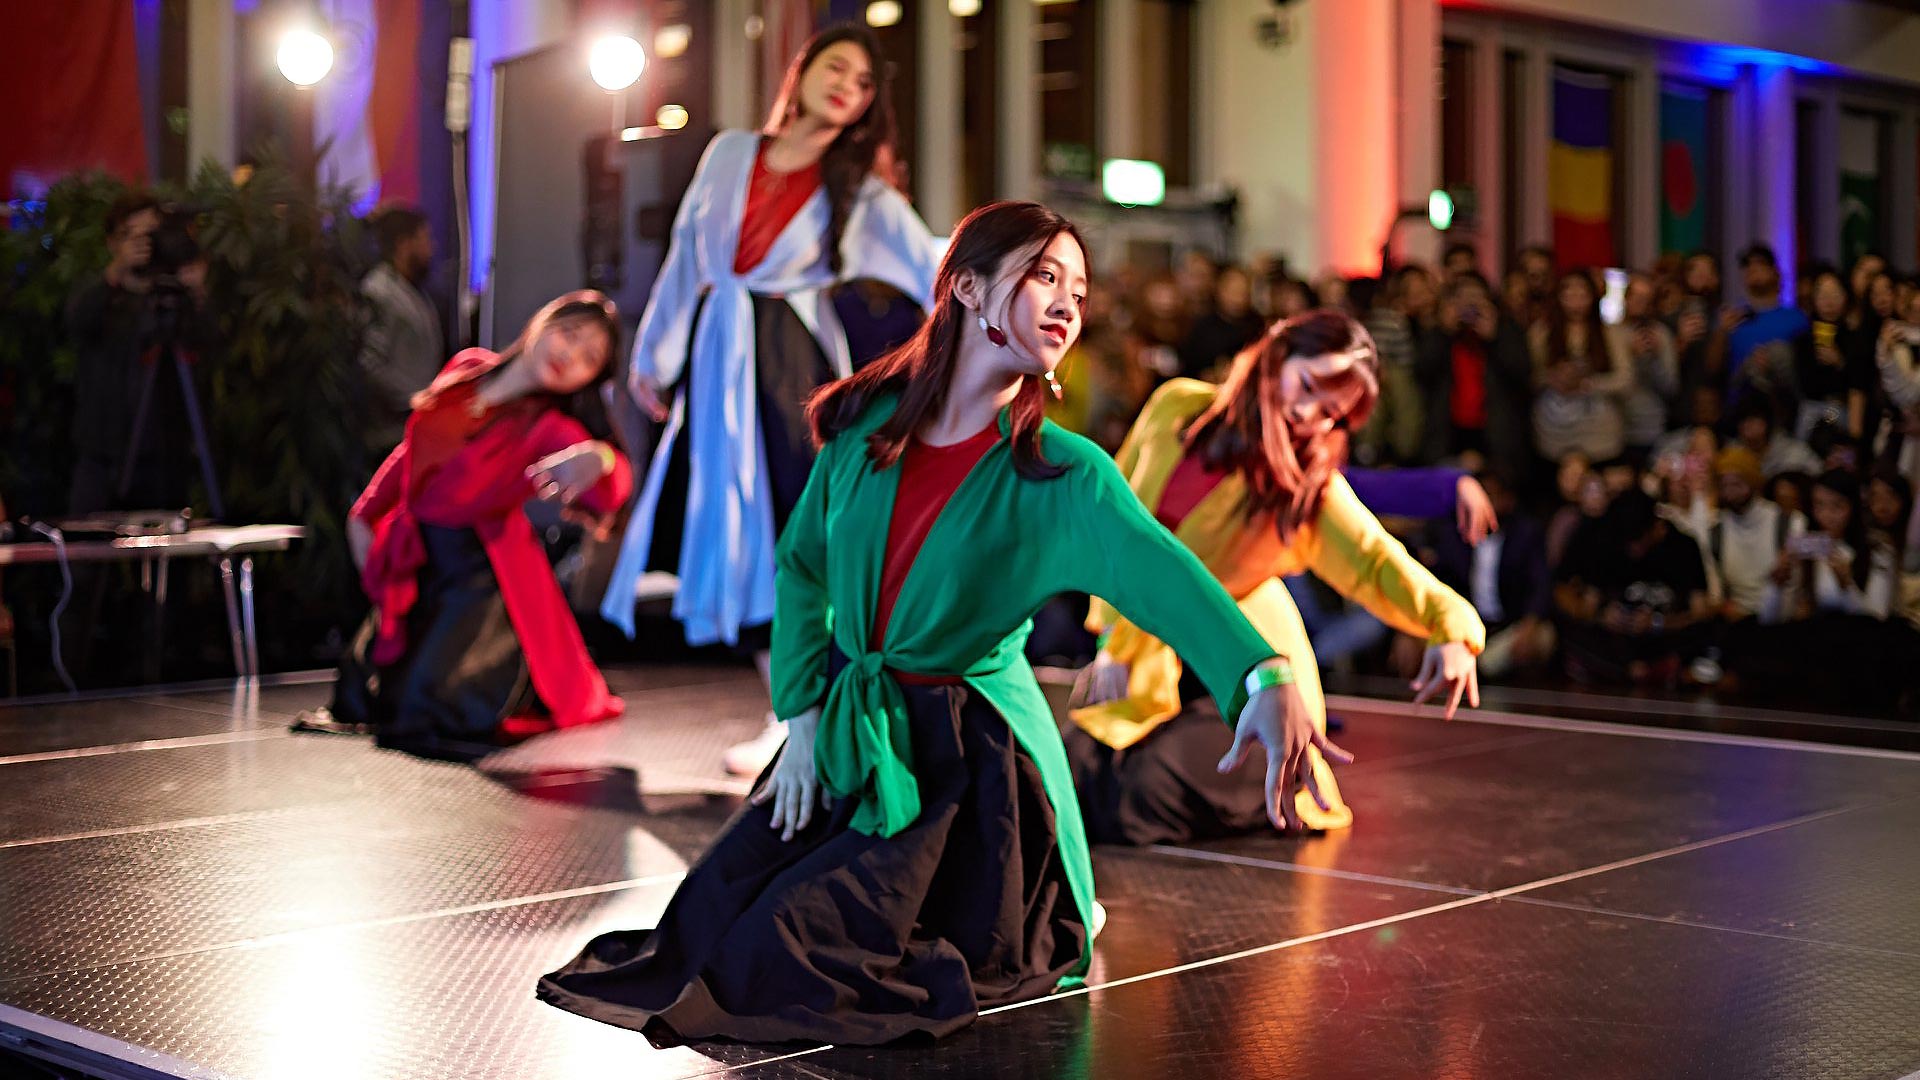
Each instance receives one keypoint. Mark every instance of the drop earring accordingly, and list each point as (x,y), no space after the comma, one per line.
(1054,384)
(994,333)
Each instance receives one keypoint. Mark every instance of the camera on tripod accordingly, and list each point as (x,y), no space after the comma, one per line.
(169,303)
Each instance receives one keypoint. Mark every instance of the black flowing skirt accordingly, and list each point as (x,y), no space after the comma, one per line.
(788,366)
(1166,788)
(845,938)
(463,671)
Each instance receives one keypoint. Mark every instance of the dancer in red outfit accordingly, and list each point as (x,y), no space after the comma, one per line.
(471,642)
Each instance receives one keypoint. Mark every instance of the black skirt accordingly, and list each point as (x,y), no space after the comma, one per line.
(841,937)
(788,366)
(463,671)
(1166,789)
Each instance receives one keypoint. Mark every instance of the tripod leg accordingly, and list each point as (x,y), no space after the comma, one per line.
(139,431)
(192,399)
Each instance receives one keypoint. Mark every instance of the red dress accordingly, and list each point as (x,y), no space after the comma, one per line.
(462,469)
(773,198)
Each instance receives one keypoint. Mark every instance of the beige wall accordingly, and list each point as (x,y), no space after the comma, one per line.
(1258,125)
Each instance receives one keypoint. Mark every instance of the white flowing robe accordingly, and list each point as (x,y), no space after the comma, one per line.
(726,554)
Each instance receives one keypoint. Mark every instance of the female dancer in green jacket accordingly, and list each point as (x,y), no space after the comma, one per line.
(916,854)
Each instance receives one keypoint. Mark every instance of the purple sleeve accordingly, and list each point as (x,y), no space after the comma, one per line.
(1407,493)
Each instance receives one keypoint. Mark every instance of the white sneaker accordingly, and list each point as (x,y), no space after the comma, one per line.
(752,757)
(1099,919)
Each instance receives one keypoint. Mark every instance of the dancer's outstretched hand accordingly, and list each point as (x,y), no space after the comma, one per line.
(1450,667)
(1278,719)
(1474,511)
(794,786)
(648,397)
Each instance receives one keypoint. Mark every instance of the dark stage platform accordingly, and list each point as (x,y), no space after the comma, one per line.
(188,890)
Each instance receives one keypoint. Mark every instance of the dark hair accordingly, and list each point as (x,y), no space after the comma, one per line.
(1246,430)
(584,304)
(1468,279)
(1755,403)
(1461,247)
(863,148)
(127,205)
(921,369)
(1886,473)
(1847,486)
(1541,250)
(394,225)
(1762,252)
(1632,515)
(1598,355)
(1828,270)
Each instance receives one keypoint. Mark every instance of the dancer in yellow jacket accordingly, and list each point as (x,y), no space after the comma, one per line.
(1247,475)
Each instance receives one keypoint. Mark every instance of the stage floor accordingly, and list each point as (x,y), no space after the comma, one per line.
(186,889)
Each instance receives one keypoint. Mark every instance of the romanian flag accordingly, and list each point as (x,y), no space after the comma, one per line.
(1683,169)
(1580,169)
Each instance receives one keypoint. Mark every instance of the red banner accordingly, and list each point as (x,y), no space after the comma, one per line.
(70,83)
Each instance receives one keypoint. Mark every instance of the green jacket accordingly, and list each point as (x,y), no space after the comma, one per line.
(1002,546)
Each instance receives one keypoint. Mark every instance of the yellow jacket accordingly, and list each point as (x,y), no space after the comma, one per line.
(1346,547)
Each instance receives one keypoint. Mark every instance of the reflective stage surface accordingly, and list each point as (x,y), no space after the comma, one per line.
(186,889)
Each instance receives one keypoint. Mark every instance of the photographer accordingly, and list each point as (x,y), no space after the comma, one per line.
(1476,376)
(150,296)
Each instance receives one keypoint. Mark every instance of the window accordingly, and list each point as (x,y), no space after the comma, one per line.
(1513,92)
(1069,88)
(1457,138)
(1863,172)
(1165,87)
(978,38)
(900,42)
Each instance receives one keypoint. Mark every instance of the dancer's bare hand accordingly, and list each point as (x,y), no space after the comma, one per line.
(564,475)
(1450,667)
(1474,510)
(794,786)
(647,395)
(1106,680)
(1278,719)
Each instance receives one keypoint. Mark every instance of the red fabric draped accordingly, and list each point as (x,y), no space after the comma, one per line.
(70,78)
(476,480)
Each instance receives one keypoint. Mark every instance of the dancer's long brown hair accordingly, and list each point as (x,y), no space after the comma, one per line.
(1246,428)
(863,147)
(588,305)
(921,369)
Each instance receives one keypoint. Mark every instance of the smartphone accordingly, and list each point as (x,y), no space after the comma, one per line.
(1810,546)
(1824,334)
(1613,303)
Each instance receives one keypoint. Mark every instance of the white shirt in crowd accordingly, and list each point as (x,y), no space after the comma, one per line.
(1745,546)
(1484,581)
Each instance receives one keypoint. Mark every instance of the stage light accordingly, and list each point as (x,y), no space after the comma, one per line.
(616,62)
(672,41)
(963,9)
(1133,183)
(883,13)
(1440,210)
(304,57)
(671,117)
